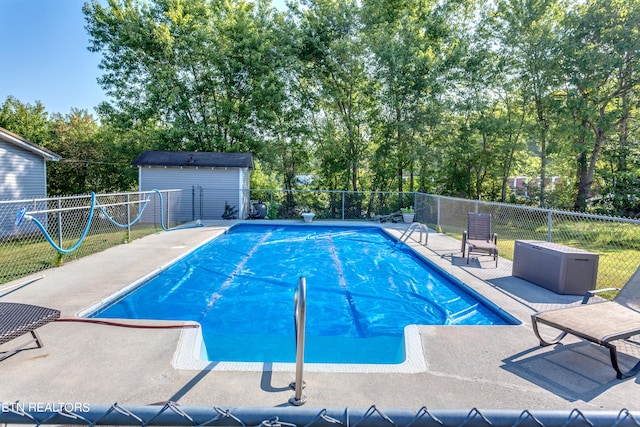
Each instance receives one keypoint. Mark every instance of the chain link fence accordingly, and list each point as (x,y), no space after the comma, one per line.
(100,221)
(342,205)
(174,415)
(25,250)
(50,227)
(615,240)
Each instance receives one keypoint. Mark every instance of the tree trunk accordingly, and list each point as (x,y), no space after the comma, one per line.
(400,187)
(623,131)
(544,127)
(400,155)
(354,175)
(543,169)
(587,170)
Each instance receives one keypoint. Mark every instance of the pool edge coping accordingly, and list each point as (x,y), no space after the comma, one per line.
(191,346)
(191,355)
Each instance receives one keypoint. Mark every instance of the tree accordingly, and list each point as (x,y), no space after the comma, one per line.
(527,31)
(74,138)
(289,151)
(333,49)
(602,62)
(206,70)
(28,121)
(489,110)
(410,45)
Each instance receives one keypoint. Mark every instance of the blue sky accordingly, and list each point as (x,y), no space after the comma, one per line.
(44,56)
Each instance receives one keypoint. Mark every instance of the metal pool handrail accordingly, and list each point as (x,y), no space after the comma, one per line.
(299,317)
(412,228)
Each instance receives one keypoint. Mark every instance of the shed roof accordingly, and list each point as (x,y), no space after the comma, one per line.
(194,158)
(25,144)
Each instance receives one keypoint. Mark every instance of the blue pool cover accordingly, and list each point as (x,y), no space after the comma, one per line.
(363,288)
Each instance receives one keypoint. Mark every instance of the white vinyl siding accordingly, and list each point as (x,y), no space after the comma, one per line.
(22,174)
(245,194)
(205,190)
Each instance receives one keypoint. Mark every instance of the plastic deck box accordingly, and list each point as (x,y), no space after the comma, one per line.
(561,269)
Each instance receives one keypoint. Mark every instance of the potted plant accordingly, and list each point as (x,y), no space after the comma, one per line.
(272,211)
(408,214)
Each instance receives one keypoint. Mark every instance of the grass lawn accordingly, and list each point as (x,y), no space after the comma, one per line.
(617,244)
(21,257)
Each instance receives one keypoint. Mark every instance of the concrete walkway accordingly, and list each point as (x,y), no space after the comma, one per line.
(466,366)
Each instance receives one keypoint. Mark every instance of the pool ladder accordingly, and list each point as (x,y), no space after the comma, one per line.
(412,228)
(299,318)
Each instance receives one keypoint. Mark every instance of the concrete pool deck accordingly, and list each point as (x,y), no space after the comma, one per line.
(499,367)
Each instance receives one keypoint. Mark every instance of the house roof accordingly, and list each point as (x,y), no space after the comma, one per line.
(25,144)
(194,158)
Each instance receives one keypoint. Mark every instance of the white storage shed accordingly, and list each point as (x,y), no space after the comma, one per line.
(208,181)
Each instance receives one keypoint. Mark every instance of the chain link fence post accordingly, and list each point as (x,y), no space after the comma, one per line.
(59,218)
(128,218)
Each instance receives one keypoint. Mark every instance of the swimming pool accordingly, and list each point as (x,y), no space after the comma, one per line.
(363,289)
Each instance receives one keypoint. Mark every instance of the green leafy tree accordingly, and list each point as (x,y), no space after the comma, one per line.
(122,140)
(527,32)
(335,56)
(28,121)
(494,96)
(75,139)
(206,70)
(602,64)
(289,151)
(411,44)
(489,113)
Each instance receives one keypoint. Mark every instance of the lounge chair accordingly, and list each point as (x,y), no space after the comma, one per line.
(477,238)
(603,323)
(18,319)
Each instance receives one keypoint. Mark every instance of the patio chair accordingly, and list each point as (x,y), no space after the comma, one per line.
(603,323)
(477,238)
(18,319)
